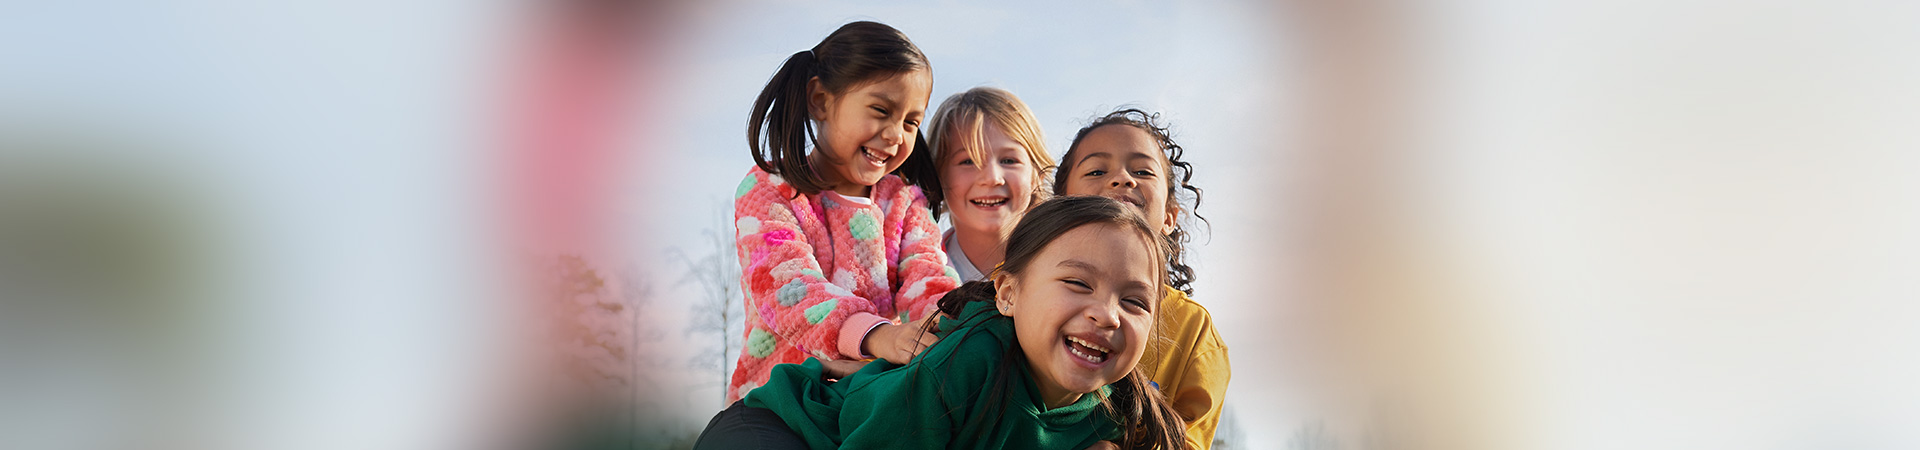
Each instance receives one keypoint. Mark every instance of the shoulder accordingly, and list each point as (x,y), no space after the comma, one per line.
(759,181)
(1186,317)
(978,338)
(895,191)
(1178,306)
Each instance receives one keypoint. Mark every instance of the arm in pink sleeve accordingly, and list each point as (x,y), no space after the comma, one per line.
(783,282)
(855,331)
(924,274)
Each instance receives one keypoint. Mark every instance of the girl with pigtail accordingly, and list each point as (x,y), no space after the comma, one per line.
(1129,155)
(839,252)
(1042,355)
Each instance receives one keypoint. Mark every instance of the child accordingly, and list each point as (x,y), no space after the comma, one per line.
(991,159)
(1042,356)
(1128,156)
(837,255)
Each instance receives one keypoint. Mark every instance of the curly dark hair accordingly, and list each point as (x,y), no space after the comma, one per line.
(1180,275)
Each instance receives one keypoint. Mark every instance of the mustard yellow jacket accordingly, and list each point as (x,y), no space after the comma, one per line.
(1189,363)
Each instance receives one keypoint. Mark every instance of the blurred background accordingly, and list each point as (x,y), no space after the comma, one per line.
(504,224)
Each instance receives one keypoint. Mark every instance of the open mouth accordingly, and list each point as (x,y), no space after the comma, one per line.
(872,157)
(988,202)
(1092,353)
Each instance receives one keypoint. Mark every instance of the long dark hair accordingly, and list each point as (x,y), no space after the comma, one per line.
(781,128)
(1145,417)
(1180,276)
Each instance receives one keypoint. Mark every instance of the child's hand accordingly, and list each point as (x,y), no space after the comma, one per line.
(900,343)
(840,368)
(1104,445)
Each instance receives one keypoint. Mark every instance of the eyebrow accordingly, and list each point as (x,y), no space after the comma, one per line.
(1130,157)
(883,97)
(1083,159)
(1078,264)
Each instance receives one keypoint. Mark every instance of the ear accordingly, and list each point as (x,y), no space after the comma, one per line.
(818,99)
(1004,289)
(1173,216)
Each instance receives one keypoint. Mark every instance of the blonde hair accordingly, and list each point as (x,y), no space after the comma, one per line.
(959,124)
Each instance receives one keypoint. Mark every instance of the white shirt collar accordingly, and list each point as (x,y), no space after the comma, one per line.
(957,259)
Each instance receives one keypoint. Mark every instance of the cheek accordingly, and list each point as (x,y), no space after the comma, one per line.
(835,135)
(1159,196)
(1020,189)
(1078,186)
(1138,333)
(955,181)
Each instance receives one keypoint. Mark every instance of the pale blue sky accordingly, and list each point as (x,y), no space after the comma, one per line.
(1213,69)
(1692,220)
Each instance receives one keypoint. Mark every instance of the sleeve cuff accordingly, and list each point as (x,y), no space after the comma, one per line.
(855,330)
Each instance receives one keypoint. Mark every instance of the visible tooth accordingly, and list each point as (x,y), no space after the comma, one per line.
(1089,344)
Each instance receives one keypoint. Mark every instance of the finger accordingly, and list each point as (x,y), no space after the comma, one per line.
(841,368)
(928,340)
(925,342)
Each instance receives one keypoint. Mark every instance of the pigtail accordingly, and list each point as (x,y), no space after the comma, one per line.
(984,421)
(921,170)
(958,298)
(1146,420)
(1142,413)
(782,126)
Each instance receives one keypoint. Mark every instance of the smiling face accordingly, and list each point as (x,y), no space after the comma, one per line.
(1123,163)
(1083,308)
(867,131)
(988,188)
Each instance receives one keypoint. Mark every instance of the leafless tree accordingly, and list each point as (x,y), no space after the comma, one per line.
(713,265)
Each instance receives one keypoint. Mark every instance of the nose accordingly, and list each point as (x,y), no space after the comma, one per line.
(993,175)
(1124,180)
(1106,315)
(893,136)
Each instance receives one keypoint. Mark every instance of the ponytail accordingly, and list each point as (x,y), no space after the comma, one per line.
(1146,418)
(781,112)
(781,127)
(958,298)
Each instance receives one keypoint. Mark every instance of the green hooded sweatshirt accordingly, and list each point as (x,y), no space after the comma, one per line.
(927,403)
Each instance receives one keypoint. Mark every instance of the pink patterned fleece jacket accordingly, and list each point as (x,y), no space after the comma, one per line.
(822,270)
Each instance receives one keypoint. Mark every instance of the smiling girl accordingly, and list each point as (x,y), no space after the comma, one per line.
(1042,356)
(991,158)
(838,255)
(1128,155)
